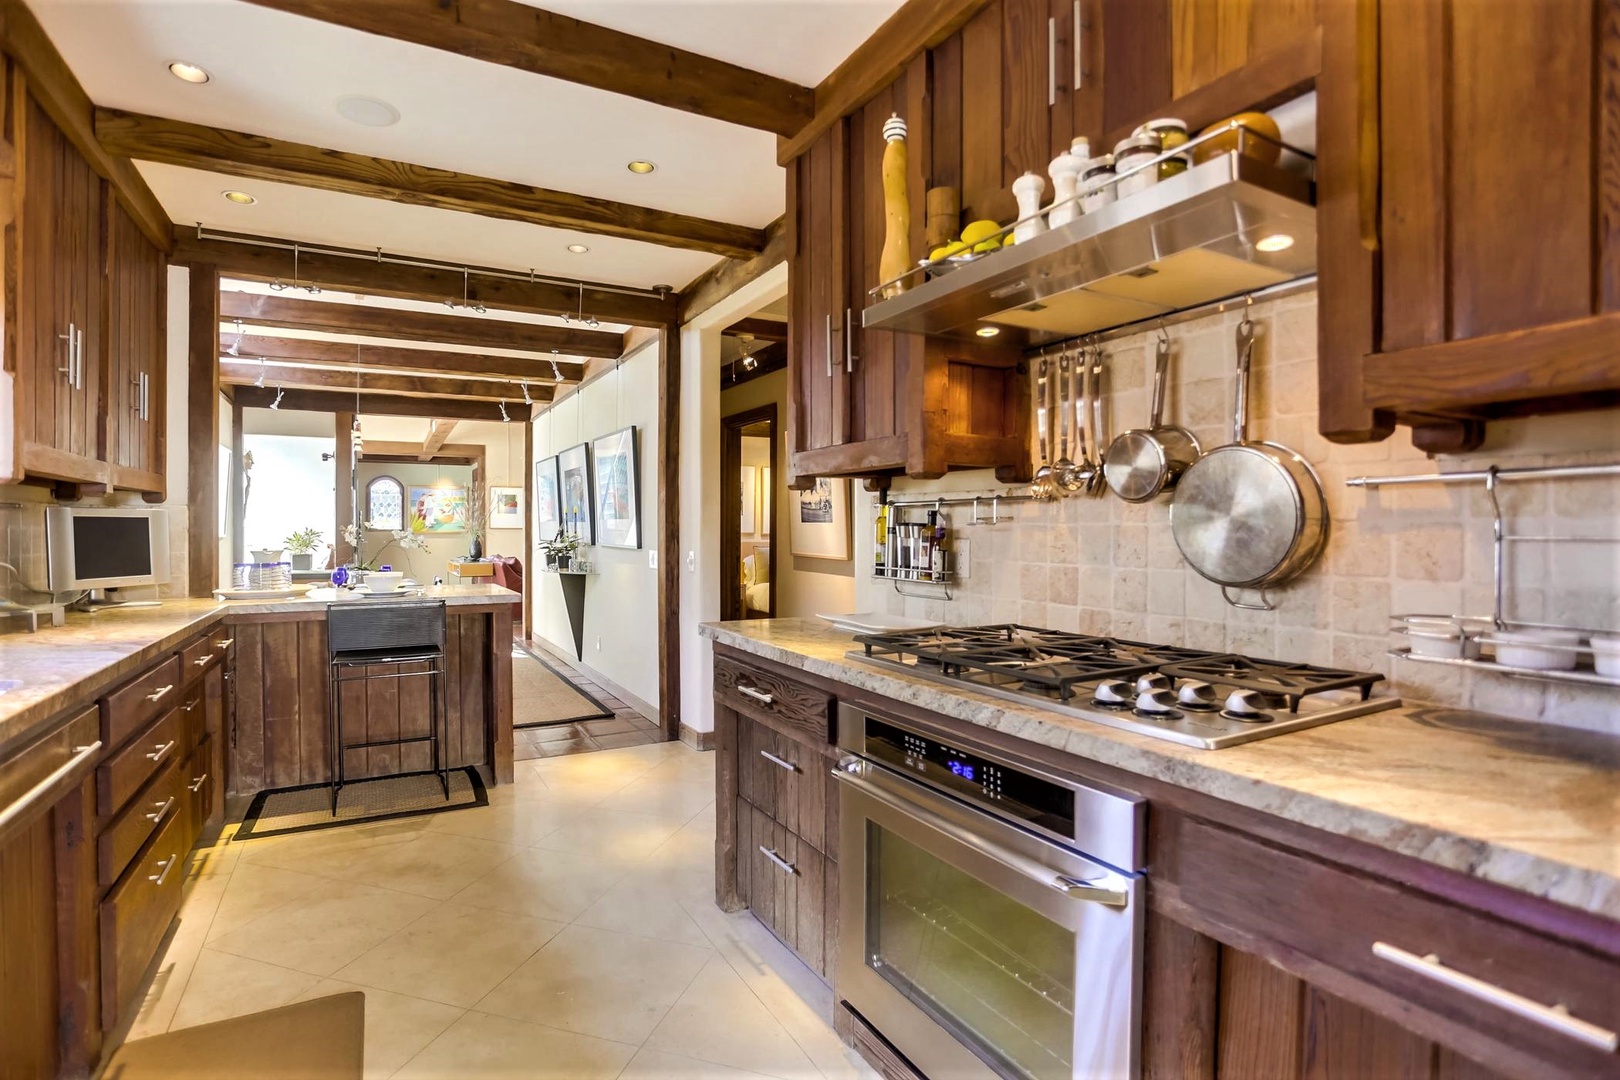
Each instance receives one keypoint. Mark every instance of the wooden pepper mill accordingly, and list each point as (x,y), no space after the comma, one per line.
(896,257)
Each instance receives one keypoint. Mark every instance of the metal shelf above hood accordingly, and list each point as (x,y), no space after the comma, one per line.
(1187,240)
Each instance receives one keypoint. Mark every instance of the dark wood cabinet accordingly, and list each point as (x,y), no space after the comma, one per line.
(1466,275)
(137,276)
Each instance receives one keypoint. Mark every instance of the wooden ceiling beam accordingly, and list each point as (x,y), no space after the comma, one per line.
(337,354)
(196,146)
(517,35)
(254,258)
(261,397)
(728,275)
(248,373)
(762,329)
(54,86)
(438,432)
(253,309)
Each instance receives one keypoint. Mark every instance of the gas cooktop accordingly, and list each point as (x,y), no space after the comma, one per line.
(1190,696)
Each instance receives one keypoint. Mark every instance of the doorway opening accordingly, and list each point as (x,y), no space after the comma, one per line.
(748,514)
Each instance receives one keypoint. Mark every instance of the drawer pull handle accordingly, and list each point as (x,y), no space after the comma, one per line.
(224,643)
(774,760)
(1554,1017)
(202,661)
(167,864)
(196,785)
(188,706)
(157,695)
(161,752)
(758,695)
(162,809)
(17,809)
(781,863)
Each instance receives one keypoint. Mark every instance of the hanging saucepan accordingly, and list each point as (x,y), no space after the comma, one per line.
(1249,514)
(1142,462)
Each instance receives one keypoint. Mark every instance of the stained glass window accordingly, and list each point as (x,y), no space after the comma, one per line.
(385,503)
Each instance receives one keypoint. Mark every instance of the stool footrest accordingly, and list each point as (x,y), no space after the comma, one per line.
(387,742)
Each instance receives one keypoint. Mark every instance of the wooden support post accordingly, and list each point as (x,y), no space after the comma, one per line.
(239,489)
(669,530)
(202,430)
(344,477)
(528,524)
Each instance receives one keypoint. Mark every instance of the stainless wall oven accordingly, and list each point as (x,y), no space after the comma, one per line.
(991,913)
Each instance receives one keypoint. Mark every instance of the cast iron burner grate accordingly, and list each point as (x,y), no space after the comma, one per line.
(1293,682)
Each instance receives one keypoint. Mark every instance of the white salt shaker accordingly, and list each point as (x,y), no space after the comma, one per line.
(1028,189)
(1065,172)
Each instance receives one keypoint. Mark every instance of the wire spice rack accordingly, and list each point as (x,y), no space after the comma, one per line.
(1475,635)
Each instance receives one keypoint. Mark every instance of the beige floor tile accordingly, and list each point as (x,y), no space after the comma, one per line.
(544,884)
(656,1065)
(433,864)
(454,954)
(662,797)
(719,1019)
(254,890)
(638,905)
(397,1026)
(519,822)
(691,767)
(493,1047)
(326,928)
(598,982)
(222,986)
(610,834)
(330,852)
(692,848)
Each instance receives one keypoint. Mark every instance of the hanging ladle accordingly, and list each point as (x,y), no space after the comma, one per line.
(1068,476)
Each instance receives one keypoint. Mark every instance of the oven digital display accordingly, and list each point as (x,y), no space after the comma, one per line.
(1009,790)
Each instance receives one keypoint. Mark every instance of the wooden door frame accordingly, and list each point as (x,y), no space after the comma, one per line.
(731,428)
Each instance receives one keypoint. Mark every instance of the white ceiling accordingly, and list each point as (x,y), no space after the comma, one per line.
(280,75)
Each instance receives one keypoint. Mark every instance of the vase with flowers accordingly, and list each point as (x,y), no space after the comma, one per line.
(362,564)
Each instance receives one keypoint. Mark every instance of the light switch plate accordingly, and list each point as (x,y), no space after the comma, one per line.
(691,561)
(652,559)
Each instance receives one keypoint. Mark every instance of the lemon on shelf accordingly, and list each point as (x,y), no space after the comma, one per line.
(988,245)
(1009,240)
(977,232)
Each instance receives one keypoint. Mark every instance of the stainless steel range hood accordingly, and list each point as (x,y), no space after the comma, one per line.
(1185,241)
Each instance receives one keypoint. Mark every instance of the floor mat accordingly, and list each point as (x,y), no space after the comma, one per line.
(321,1039)
(541,694)
(300,809)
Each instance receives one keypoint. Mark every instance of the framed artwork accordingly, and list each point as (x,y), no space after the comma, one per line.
(750,500)
(818,523)
(505,507)
(438,509)
(764,500)
(618,489)
(547,500)
(574,487)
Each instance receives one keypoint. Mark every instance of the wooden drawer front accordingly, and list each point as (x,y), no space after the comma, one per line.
(1336,916)
(136,914)
(128,770)
(789,706)
(195,658)
(788,781)
(146,814)
(131,708)
(198,782)
(193,719)
(24,771)
(785,882)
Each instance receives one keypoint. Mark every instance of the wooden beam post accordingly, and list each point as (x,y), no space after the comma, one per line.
(247,373)
(669,530)
(202,430)
(438,432)
(346,357)
(343,551)
(256,397)
(728,275)
(237,501)
(528,522)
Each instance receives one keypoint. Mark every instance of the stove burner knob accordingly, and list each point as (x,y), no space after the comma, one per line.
(1196,693)
(1246,705)
(1156,701)
(1153,680)
(1113,692)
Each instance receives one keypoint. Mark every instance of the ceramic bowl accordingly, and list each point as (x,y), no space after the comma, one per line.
(385,581)
(1606,655)
(1537,650)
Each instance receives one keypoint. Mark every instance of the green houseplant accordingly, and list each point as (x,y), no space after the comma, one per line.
(560,549)
(302,545)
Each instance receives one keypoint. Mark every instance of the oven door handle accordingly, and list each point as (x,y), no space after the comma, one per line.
(853,771)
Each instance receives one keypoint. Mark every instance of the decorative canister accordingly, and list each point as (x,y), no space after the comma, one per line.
(1171,133)
(1027,189)
(1097,184)
(1129,157)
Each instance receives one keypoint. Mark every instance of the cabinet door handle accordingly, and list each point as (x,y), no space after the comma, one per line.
(17,809)
(780,762)
(1051,62)
(145,396)
(1079,52)
(162,808)
(167,864)
(78,379)
(161,752)
(829,344)
(196,785)
(157,695)
(781,863)
(1553,1017)
(201,661)
(849,340)
(758,695)
(224,643)
(70,337)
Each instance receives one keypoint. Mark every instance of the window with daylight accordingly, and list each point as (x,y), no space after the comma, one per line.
(385,503)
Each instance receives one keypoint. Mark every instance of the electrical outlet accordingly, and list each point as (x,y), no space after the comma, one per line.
(598,644)
(691,561)
(963,565)
(652,559)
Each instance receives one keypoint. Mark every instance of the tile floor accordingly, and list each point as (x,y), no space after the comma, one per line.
(625,728)
(566,930)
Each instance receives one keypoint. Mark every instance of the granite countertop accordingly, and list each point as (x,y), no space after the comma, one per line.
(1523,805)
(94,652)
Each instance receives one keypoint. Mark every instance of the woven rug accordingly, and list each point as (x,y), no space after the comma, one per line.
(543,695)
(300,809)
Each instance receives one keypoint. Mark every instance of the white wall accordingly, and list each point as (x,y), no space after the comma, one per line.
(621,597)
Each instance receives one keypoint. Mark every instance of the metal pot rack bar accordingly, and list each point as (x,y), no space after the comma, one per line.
(1492,478)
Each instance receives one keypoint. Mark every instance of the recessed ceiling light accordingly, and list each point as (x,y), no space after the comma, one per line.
(1275,242)
(240,198)
(988,331)
(641,168)
(367,111)
(190,73)
(578,249)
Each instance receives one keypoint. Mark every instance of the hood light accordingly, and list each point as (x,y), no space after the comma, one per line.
(1274,242)
(988,331)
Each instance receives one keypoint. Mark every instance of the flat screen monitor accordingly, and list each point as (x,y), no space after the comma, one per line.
(97,547)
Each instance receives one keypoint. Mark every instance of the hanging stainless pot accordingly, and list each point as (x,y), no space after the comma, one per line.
(1143,462)
(1249,514)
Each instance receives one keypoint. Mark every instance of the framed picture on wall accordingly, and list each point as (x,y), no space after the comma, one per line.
(750,500)
(505,507)
(438,509)
(618,489)
(574,487)
(818,521)
(547,501)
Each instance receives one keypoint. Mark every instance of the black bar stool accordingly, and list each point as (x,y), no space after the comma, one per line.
(397,632)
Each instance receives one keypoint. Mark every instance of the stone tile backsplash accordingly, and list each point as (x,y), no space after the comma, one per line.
(1100,565)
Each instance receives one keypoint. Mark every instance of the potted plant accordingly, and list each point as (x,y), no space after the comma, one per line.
(560,549)
(302,545)
(404,539)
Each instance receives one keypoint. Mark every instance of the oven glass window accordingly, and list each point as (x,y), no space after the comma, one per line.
(998,975)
